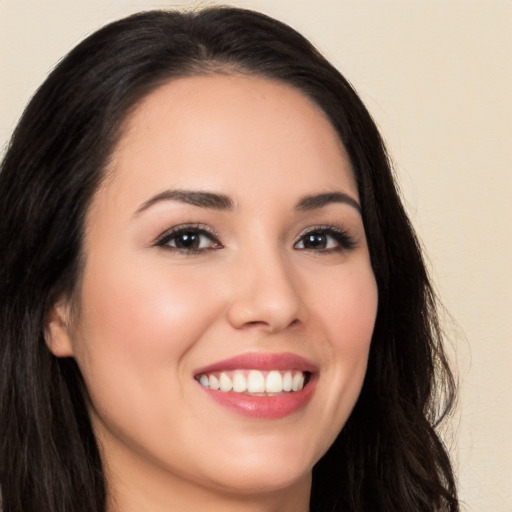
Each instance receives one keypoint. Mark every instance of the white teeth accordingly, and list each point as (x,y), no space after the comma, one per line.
(287,381)
(254,381)
(225,383)
(239,383)
(274,382)
(298,381)
(214,382)
(204,381)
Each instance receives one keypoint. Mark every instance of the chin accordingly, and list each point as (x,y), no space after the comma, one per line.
(262,471)
(263,480)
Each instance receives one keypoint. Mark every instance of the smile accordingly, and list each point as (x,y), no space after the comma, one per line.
(260,386)
(255,382)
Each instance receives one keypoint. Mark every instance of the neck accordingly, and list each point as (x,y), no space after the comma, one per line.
(127,496)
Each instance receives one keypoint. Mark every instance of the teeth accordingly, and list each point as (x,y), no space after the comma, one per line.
(225,383)
(274,382)
(214,382)
(204,381)
(239,383)
(254,381)
(287,381)
(298,382)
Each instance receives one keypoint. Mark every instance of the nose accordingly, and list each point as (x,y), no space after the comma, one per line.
(265,294)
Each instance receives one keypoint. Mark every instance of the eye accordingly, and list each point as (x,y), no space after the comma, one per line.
(189,239)
(325,239)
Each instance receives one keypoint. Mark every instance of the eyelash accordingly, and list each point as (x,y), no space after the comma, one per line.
(194,229)
(342,238)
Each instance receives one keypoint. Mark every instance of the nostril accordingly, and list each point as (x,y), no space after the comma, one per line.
(256,307)
(254,323)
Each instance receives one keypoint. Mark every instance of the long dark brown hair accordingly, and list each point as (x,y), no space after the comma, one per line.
(388,457)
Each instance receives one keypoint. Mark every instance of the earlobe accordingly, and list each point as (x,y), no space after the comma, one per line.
(56,330)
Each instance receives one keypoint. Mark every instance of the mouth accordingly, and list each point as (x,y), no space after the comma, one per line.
(267,386)
(255,382)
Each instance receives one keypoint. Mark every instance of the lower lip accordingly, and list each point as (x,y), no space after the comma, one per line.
(264,407)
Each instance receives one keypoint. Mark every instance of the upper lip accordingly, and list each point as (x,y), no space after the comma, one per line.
(260,361)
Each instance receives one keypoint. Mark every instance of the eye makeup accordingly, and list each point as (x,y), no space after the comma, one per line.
(189,239)
(325,238)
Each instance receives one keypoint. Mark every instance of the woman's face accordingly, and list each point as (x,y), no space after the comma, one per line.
(225,248)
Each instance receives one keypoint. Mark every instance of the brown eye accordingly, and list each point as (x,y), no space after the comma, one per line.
(188,239)
(325,239)
(315,241)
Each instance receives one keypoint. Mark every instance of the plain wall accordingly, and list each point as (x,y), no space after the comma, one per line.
(437,77)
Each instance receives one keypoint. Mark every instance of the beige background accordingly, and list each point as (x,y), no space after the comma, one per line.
(437,77)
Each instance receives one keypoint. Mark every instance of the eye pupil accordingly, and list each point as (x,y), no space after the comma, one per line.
(315,241)
(187,240)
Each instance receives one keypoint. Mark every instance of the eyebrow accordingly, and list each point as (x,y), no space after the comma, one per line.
(215,201)
(202,199)
(320,200)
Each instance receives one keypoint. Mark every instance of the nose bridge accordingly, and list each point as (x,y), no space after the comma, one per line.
(265,290)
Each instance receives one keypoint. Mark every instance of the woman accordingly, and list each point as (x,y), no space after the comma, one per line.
(211,294)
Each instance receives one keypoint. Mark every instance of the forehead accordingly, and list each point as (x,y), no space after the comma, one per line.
(213,130)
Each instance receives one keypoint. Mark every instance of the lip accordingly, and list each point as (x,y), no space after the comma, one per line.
(260,361)
(265,406)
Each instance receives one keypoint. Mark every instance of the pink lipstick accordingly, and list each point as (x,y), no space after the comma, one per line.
(257,385)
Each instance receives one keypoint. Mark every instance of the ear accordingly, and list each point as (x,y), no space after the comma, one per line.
(57,329)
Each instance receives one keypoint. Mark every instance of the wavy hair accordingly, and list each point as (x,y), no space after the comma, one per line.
(388,456)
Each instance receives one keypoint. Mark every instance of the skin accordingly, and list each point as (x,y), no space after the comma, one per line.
(149,316)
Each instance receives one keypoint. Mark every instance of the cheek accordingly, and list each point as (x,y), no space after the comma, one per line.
(145,310)
(347,310)
(353,328)
(134,324)
(131,344)
(347,307)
